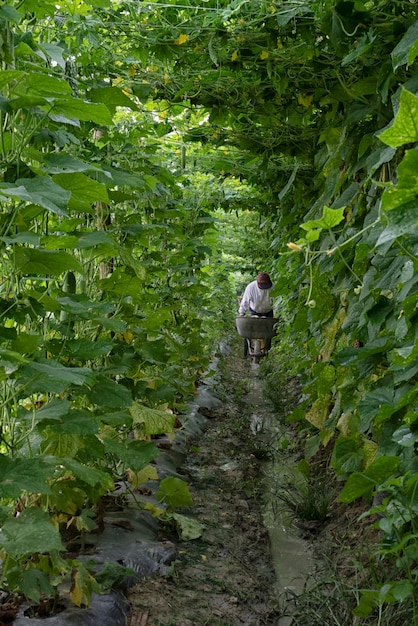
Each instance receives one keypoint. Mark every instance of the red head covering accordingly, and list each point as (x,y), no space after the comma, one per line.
(263,281)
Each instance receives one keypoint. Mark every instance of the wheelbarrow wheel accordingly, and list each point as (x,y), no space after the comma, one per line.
(245,351)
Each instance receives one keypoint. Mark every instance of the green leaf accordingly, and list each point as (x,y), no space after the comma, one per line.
(34,584)
(50,376)
(39,83)
(112,97)
(135,454)
(154,352)
(76,422)
(113,575)
(79,110)
(290,11)
(152,421)
(91,240)
(65,446)
(109,393)
(86,349)
(174,492)
(33,262)
(11,360)
(10,76)
(30,533)
(404,128)
(66,164)
(84,190)
(329,219)
(407,49)
(41,191)
(19,475)
(362,483)
(10,14)
(377,406)
(81,306)
(54,410)
(89,475)
(347,456)
(54,52)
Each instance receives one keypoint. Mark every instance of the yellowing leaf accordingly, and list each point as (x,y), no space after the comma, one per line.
(156,511)
(305,99)
(370,452)
(181,39)
(344,424)
(234,56)
(139,478)
(76,593)
(128,336)
(318,413)
(264,55)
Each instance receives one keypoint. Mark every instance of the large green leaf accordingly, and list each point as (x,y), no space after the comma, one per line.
(347,455)
(135,454)
(407,49)
(89,475)
(54,410)
(30,533)
(330,218)
(41,191)
(84,349)
(66,164)
(399,204)
(34,262)
(72,108)
(10,76)
(65,446)
(81,306)
(11,360)
(41,83)
(108,393)
(84,190)
(154,351)
(76,422)
(377,406)
(152,421)
(112,97)
(404,128)
(18,475)
(174,492)
(50,376)
(362,483)
(35,584)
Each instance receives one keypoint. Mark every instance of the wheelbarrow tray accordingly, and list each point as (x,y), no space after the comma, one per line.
(256,327)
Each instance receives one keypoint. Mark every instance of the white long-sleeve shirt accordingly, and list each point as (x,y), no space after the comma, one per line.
(255,298)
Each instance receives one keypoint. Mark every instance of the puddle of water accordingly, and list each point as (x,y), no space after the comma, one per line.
(291,555)
(292,558)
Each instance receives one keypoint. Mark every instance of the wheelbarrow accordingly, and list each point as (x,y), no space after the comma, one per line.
(258,333)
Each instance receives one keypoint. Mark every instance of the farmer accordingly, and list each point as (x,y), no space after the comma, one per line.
(256,298)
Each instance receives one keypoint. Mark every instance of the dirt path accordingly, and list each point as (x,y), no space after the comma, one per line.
(226,577)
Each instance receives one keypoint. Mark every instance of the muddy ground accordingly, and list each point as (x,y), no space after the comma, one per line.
(226,577)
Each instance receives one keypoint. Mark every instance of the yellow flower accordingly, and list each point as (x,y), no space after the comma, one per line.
(234,56)
(294,246)
(264,55)
(181,39)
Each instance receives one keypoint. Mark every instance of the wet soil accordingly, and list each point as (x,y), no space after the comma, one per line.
(226,577)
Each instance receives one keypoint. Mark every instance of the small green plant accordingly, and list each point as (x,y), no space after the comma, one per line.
(309,499)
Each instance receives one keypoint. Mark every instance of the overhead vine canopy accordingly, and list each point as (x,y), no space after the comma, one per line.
(113,114)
